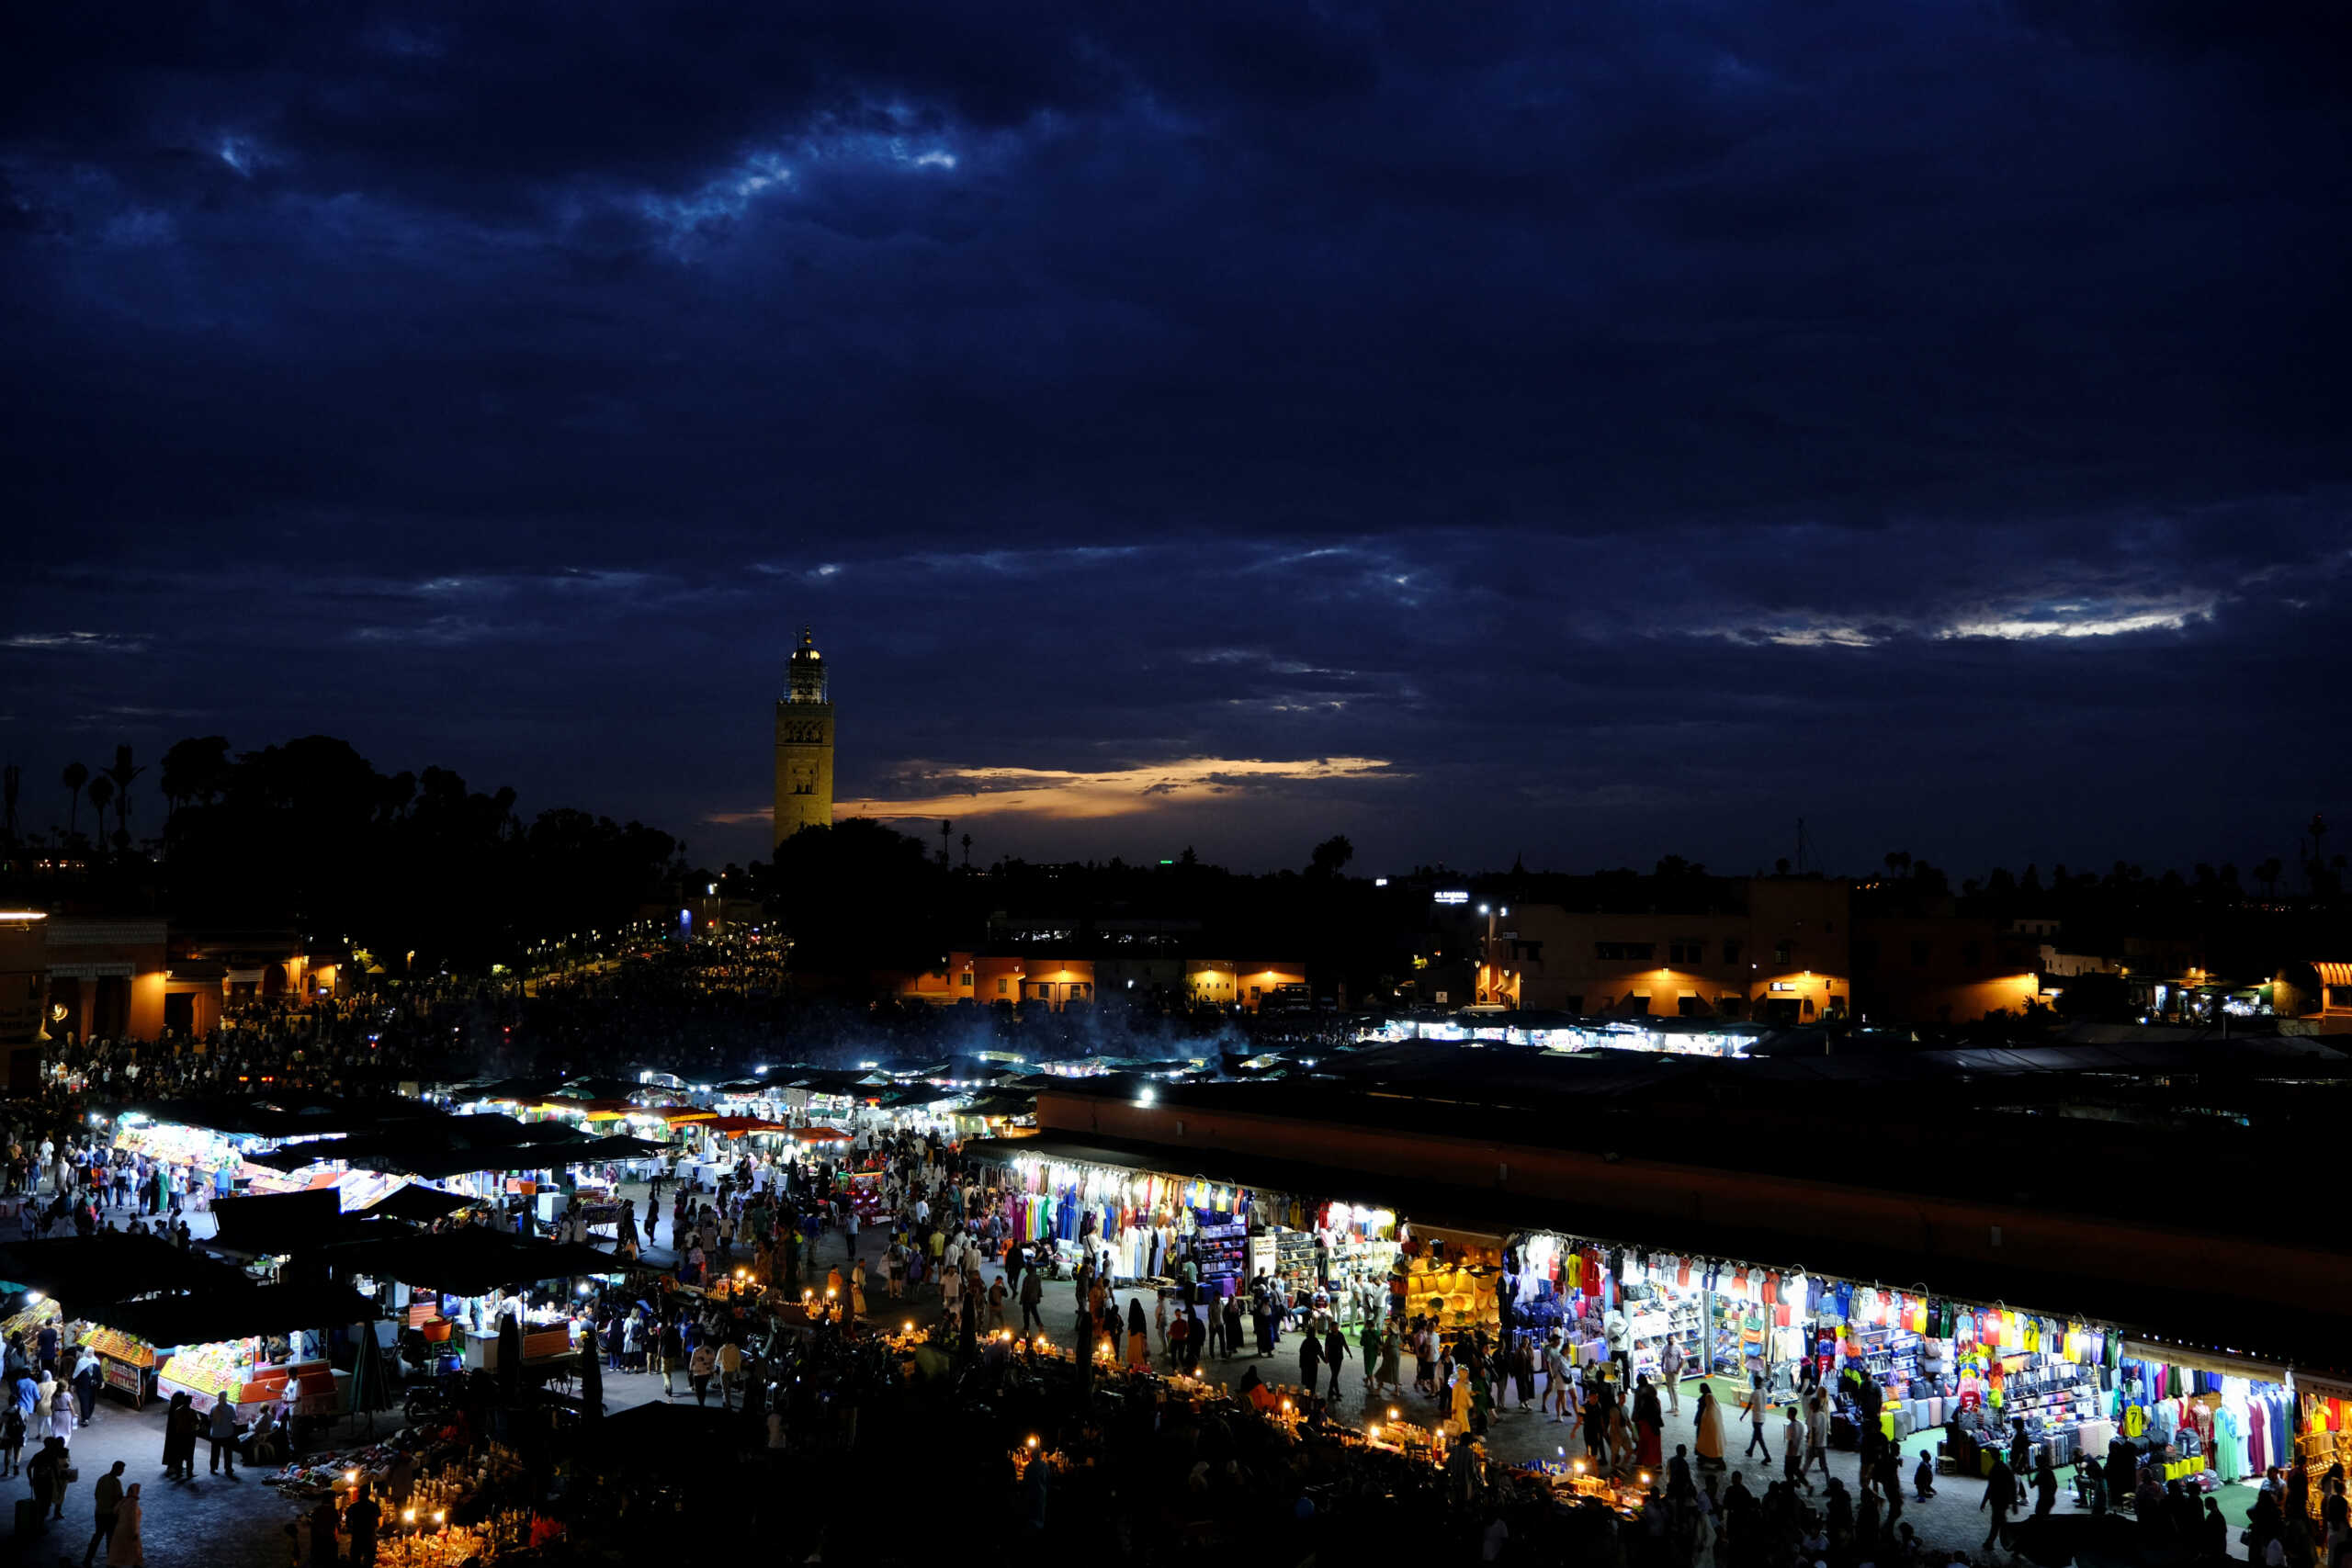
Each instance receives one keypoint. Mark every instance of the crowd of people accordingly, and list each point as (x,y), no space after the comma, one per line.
(770,1314)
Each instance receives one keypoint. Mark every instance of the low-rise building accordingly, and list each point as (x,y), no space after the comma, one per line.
(1037,979)
(1936,968)
(1772,947)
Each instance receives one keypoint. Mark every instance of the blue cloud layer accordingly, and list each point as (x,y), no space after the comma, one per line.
(1639,425)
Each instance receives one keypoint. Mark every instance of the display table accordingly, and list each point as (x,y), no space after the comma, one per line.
(539,1346)
(209,1374)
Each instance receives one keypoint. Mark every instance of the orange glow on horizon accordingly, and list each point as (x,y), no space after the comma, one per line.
(1072,795)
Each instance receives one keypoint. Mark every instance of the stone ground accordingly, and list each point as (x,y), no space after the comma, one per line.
(239,1519)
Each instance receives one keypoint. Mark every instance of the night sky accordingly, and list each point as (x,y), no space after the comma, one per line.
(1609,432)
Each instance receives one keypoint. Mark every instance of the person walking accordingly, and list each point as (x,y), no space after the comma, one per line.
(105,1499)
(2000,1497)
(1816,1435)
(699,1371)
(124,1549)
(730,1372)
(1758,1408)
(1669,1374)
(671,1351)
(1310,1356)
(1793,1450)
(1707,1423)
(1033,1294)
(1555,1379)
(1335,1350)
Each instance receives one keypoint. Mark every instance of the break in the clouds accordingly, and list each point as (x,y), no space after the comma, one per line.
(1634,425)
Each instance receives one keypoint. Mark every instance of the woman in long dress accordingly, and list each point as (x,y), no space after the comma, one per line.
(1649,1426)
(1138,1336)
(124,1549)
(1710,1428)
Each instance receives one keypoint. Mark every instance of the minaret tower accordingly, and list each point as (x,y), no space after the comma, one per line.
(804,744)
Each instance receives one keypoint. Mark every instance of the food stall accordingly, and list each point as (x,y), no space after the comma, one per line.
(126,1365)
(38,1313)
(234,1369)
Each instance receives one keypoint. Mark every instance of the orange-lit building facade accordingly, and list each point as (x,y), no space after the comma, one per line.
(1941,969)
(133,978)
(1779,953)
(1031,979)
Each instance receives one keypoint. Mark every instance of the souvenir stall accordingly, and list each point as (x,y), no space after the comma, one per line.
(1139,1217)
(459,1509)
(2318,1415)
(1451,1277)
(1295,1268)
(2208,1419)
(1362,1248)
(1666,1302)
(1923,1363)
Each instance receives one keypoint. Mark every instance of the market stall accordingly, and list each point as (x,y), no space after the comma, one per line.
(253,1345)
(240,1371)
(126,1365)
(456,1507)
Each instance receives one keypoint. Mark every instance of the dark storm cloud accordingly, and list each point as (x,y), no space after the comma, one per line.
(1634,427)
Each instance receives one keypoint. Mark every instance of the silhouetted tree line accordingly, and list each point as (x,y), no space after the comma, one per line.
(861,895)
(310,835)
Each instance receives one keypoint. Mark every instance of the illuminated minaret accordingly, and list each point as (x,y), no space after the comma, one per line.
(804,744)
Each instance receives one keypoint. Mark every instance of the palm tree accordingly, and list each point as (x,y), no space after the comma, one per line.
(76,775)
(122,772)
(101,792)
